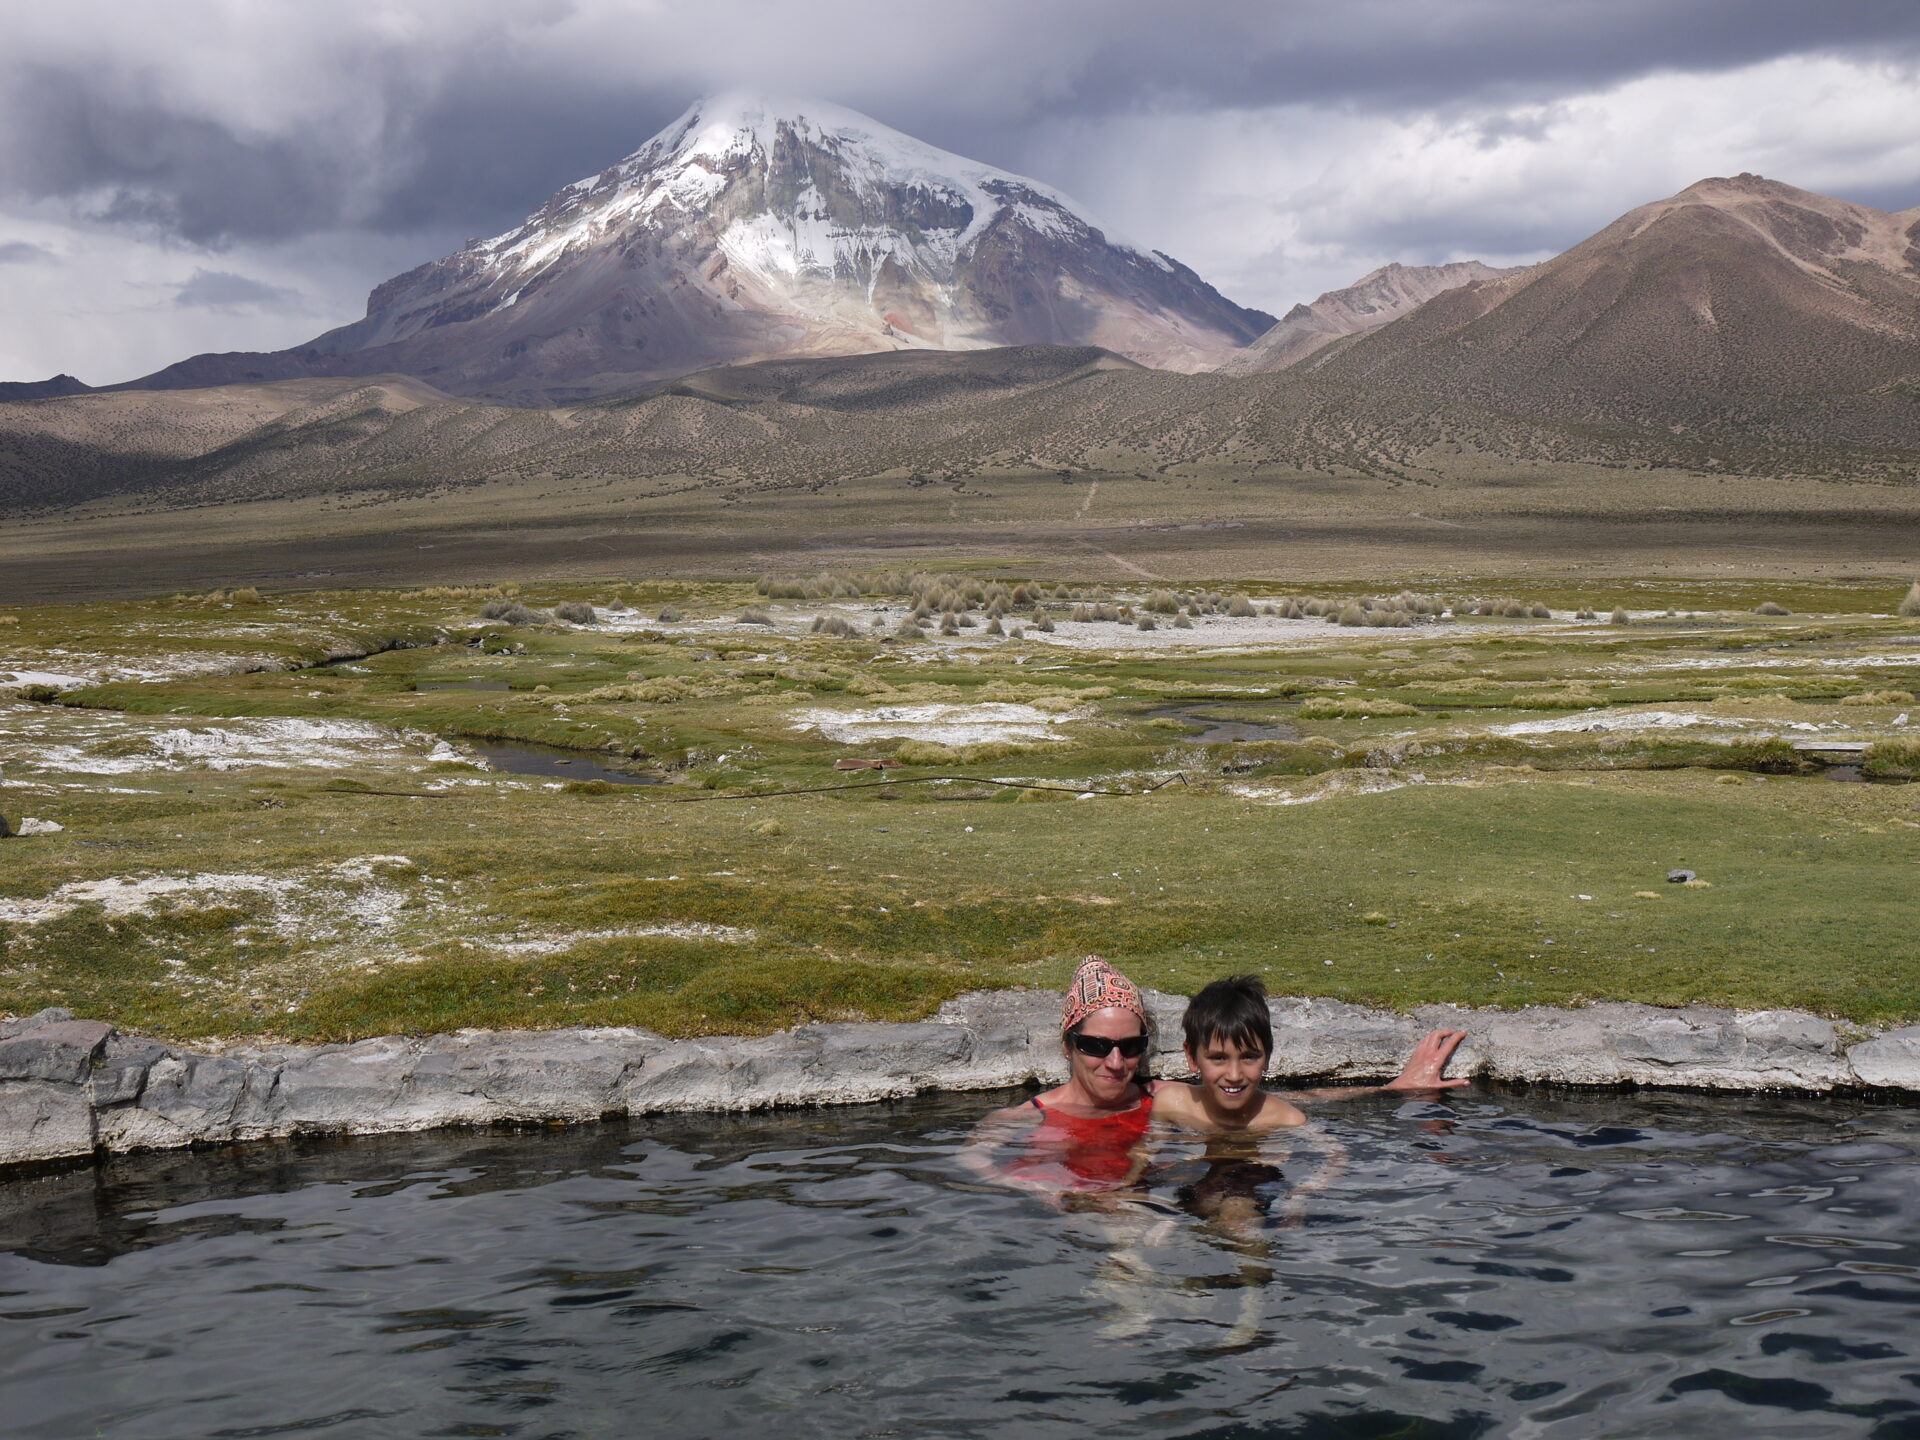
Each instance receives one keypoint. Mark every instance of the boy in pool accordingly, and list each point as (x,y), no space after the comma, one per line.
(1229,1044)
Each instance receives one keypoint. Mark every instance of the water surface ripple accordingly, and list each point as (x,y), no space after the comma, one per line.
(1517,1264)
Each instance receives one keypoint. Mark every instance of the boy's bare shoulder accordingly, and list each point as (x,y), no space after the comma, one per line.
(1277,1114)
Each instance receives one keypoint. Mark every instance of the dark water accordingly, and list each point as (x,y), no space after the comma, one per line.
(557,763)
(1530,1265)
(1215,731)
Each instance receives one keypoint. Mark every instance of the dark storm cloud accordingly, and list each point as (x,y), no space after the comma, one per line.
(466,118)
(24,252)
(1385,54)
(224,290)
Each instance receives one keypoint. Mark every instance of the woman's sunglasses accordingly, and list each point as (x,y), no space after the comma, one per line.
(1099,1046)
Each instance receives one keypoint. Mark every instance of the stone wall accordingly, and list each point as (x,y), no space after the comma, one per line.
(73,1087)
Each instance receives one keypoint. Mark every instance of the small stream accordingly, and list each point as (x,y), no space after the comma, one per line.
(1214,731)
(556,762)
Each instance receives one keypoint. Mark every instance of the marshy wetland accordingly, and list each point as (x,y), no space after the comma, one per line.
(278,816)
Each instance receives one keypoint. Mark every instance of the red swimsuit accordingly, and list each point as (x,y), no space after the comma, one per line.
(1082,1152)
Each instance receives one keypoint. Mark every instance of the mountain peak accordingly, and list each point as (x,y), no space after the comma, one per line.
(755,227)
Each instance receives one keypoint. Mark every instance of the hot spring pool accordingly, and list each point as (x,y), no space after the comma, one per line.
(1514,1264)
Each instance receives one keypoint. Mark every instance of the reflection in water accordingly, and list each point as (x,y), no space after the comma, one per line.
(1547,1265)
(556,761)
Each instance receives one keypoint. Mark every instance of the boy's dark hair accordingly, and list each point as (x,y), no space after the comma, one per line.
(1234,1010)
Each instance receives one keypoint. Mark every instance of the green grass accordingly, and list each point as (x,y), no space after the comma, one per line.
(520,905)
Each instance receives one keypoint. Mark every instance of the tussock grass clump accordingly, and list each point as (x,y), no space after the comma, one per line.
(1910,607)
(590,787)
(1241,606)
(753,615)
(1573,697)
(1181,622)
(1879,697)
(1769,756)
(1897,759)
(1771,607)
(767,829)
(669,616)
(931,752)
(512,612)
(1162,602)
(1145,622)
(836,626)
(576,612)
(1337,707)
(1042,796)
(1618,617)
(9,619)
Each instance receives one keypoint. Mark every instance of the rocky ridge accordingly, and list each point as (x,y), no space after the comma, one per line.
(1373,300)
(71,1088)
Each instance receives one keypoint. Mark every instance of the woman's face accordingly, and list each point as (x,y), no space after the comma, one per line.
(1106,1078)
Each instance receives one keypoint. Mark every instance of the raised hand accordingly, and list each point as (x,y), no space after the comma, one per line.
(1426,1067)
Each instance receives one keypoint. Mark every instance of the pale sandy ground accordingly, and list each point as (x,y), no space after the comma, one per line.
(1214,633)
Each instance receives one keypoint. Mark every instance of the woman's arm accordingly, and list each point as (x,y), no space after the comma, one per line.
(993,1133)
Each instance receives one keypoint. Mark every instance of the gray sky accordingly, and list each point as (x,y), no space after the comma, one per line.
(225,175)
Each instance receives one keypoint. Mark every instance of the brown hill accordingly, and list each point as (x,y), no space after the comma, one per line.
(1370,302)
(1739,309)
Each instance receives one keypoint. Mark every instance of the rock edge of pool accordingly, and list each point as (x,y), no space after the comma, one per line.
(72,1088)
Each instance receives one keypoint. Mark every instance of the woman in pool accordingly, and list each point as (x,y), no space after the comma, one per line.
(1086,1136)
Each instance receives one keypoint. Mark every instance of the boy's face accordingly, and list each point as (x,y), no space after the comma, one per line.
(1229,1075)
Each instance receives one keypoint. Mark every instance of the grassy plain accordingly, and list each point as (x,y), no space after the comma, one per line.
(1479,810)
(1462,519)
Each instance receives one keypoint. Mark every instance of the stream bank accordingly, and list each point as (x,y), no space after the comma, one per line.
(71,1088)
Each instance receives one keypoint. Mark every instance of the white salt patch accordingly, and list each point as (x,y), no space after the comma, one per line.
(943,724)
(37,739)
(1333,785)
(31,826)
(41,677)
(342,892)
(683,930)
(1644,720)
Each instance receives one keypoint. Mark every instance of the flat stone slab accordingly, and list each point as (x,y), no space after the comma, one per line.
(73,1087)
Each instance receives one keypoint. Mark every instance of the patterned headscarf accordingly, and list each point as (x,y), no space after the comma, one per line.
(1097,986)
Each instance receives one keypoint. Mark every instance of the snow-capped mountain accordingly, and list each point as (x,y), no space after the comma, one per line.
(748,230)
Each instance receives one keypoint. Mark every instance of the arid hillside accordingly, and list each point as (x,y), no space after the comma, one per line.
(1741,311)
